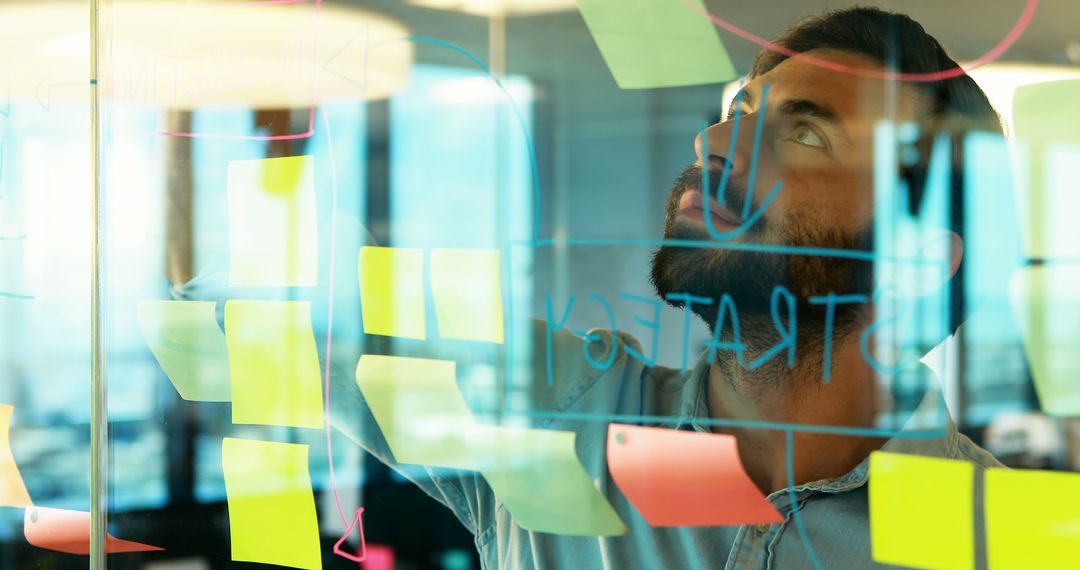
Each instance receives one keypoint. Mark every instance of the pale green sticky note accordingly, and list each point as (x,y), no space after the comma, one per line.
(1032,518)
(188,344)
(272,516)
(1046,302)
(921,511)
(274,362)
(419,409)
(392,291)
(657,43)
(538,477)
(468,298)
(1046,121)
(273,232)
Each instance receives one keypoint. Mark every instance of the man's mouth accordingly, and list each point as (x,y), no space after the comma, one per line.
(692,207)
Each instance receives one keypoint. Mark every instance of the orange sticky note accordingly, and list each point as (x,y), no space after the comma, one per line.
(682,478)
(69,531)
(12,488)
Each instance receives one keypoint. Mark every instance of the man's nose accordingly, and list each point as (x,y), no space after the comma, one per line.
(721,153)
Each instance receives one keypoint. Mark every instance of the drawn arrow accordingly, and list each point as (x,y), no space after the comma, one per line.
(356,49)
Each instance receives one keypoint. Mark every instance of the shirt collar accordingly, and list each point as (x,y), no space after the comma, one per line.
(928,431)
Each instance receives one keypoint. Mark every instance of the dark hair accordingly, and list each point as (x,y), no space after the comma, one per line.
(955,105)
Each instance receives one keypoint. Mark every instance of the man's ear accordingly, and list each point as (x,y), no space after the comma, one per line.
(942,250)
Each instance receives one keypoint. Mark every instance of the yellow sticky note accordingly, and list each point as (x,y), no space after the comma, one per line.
(186,341)
(271,504)
(1046,120)
(274,362)
(13,491)
(921,511)
(537,475)
(392,291)
(1046,302)
(419,409)
(468,298)
(657,43)
(1032,518)
(273,232)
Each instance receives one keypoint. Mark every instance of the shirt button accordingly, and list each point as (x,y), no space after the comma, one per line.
(763,528)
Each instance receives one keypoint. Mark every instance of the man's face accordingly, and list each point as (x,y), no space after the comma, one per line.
(817,129)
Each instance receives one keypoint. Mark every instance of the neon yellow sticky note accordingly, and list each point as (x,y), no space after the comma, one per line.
(657,43)
(273,237)
(468,299)
(921,511)
(1046,121)
(188,344)
(1046,302)
(537,475)
(1032,518)
(419,409)
(13,491)
(274,362)
(392,291)
(271,504)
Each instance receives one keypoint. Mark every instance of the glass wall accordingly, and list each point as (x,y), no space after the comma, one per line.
(508,283)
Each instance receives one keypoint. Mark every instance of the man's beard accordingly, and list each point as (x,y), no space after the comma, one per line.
(750,276)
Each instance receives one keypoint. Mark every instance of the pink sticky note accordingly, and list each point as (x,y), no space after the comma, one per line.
(684,478)
(69,531)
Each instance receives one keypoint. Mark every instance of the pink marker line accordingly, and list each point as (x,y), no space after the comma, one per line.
(329,342)
(995,52)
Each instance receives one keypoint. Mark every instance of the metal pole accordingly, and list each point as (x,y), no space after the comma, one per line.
(99,418)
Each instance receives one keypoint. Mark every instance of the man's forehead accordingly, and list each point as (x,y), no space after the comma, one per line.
(849,96)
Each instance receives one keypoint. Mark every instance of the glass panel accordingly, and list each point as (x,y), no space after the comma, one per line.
(537,283)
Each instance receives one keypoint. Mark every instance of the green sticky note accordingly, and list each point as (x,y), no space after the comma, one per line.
(188,344)
(1046,302)
(274,362)
(921,511)
(392,291)
(419,409)
(1032,518)
(271,504)
(537,476)
(657,43)
(468,298)
(1046,121)
(273,232)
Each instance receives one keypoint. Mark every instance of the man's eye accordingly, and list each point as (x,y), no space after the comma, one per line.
(803,134)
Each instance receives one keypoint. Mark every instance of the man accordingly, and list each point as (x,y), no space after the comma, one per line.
(792,166)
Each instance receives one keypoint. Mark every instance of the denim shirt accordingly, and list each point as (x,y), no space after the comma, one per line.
(833,512)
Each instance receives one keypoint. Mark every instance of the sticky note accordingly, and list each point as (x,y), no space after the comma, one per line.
(921,511)
(69,531)
(1046,303)
(274,363)
(273,233)
(392,291)
(190,347)
(657,43)
(1032,518)
(1046,122)
(683,478)
(538,477)
(13,491)
(468,298)
(271,504)
(419,409)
